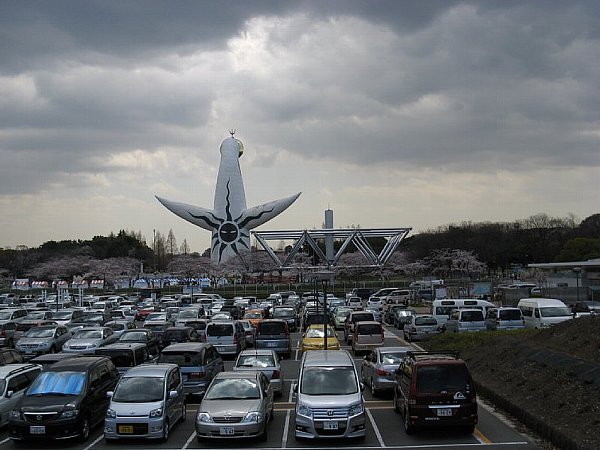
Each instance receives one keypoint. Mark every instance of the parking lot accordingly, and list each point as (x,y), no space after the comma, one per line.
(384,426)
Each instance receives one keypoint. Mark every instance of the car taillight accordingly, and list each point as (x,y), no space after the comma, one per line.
(196,375)
(383,373)
(276,374)
(3,333)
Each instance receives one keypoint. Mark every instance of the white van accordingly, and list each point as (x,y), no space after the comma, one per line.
(441,309)
(543,312)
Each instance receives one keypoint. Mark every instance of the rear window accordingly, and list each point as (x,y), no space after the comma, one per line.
(362,317)
(510,314)
(259,361)
(472,316)
(219,329)
(283,313)
(182,359)
(271,328)
(444,377)
(425,321)
(371,328)
(179,335)
(120,358)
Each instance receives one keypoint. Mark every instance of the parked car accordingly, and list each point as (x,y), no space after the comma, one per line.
(236,404)
(12,315)
(274,334)
(8,335)
(14,380)
(191,313)
(462,320)
(125,355)
(402,317)
(44,339)
(543,312)
(314,338)
(378,368)
(48,359)
(354,302)
(434,390)
(199,363)
(173,335)
(146,403)
(200,326)
(339,317)
(368,334)
(267,361)
(504,318)
(420,327)
(120,326)
(229,338)
(329,401)
(67,315)
(144,336)
(351,320)
(10,356)
(288,314)
(87,340)
(25,325)
(388,314)
(74,400)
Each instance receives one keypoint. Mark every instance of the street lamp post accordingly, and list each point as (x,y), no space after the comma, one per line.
(325,276)
(577,271)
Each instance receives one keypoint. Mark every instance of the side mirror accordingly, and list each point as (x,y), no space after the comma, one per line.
(295,388)
(9,394)
(362,386)
(109,394)
(173,394)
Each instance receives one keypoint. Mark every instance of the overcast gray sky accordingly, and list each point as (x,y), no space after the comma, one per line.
(392,113)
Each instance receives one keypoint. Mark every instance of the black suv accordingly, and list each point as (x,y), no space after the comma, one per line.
(435,389)
(66,401)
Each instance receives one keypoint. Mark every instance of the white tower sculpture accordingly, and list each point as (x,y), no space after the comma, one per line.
(229,220)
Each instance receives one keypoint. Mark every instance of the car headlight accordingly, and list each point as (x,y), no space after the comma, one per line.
(203,417)
(354,410)
(111,414)
(252,416)
(304,410)
(69,413)
(156,413)
(93,345)
(15,414)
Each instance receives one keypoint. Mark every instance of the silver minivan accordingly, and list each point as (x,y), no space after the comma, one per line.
(466,319)
(146,403)
(329,400)
(504,318)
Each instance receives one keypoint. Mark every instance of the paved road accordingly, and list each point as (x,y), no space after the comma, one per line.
(384,427)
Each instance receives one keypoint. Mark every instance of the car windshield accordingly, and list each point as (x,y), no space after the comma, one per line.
(361,317)
(188,314)
(369,329)
(88,334)
(555,311)
(57,383)
(329,381)
(425,321)
(5,315)
(139,390)
(282,313)
(259,361)
(233,389)
(134,336)
(182,359)
(392,358)
(472,316)
(318,333)
(40,333)
(62,315)
(156,316)
(94,316)
(35,315)
(270,328)
(443,377)
(253,316)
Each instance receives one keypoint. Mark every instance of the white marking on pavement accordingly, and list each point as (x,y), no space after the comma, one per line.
(286,428)
(189,441)
(95,442)
(375,429)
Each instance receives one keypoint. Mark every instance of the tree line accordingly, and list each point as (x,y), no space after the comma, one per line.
(466,248)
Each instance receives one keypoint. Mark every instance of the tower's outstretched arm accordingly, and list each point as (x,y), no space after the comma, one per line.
(202,217)
(257,215)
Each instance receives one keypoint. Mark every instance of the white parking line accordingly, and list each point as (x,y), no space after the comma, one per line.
(375,429)
(95,442)
(286,428)
(4,441)
(291,395)
(189,441)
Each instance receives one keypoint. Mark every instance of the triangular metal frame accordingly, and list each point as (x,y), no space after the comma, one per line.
(358,237)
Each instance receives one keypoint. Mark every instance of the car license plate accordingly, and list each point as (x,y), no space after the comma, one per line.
(226,431)
(37,429)
(330,425)
(444,412)
(126,429)
(271,344)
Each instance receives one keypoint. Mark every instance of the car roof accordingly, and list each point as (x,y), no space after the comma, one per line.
(252,374)
(8,369)
(77,364)
(257,351)
(149,370)
(394,349)
(327,358)
(122,345)
(186,346)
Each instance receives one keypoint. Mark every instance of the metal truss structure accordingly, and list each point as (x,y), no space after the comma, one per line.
(358,237)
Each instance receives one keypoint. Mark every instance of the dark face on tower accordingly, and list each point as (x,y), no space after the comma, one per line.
(228,232)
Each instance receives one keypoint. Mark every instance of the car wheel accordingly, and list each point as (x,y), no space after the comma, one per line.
(183,412)
(265,435)
(374,390)
(166,430)
(408,428)
(11,344)
(52,349)
(406,336)
(85,430)
(396,406)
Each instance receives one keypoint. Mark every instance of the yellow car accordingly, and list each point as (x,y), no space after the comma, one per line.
(313,338)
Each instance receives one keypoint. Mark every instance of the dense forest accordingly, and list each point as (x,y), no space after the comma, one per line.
(539,238)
